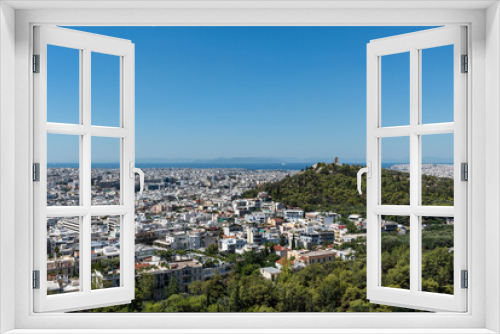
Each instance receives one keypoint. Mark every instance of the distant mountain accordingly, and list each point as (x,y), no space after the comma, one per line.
(257,160)
(163,160)
(311,160)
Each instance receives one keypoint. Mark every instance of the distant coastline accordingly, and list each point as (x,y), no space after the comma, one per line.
(211,165)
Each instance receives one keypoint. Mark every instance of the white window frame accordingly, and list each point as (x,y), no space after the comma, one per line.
(86,44)
(482,19)
(414,43)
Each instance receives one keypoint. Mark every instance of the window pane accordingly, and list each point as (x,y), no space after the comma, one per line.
(105,246)
(437,170)
(395,171)
(395,248)
(437,254)
(63,172)
(63,85)
(437,84)
(63,249)
(395,89)
(105,90)
(105,171)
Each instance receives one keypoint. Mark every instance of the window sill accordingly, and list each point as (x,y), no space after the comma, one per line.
(251,331)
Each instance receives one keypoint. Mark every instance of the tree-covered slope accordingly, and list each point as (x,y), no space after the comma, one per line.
(331,187)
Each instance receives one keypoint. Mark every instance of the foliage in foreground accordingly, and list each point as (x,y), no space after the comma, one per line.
(338,286)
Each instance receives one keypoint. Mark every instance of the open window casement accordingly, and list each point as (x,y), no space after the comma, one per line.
(416,46)
(68,226)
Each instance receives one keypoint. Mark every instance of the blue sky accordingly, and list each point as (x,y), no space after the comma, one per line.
(209,92)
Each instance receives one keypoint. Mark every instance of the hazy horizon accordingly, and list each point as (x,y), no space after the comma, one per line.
(256,160)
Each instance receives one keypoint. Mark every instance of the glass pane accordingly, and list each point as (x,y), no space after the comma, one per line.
(395,248)
(105,171)
(63,171)
(437,84)
(105,90)
(105,256)
(437,254)
(63,85)
(395,89)
(395,171)
(63,250)
(437,169)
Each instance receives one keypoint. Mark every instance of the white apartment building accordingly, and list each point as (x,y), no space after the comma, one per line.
(293,214)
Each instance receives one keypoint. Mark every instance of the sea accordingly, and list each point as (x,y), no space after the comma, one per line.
(206,165)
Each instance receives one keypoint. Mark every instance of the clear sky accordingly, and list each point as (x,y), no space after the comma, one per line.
(209,92)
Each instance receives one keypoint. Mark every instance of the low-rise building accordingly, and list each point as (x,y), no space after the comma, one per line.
(293,214)
(270,273)
(314,257)
(281,251)
(231,244)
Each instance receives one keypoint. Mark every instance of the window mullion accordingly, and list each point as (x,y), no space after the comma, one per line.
(85,254)
(373,270)
(85,159)
(109,210)
(414,169)
(85,166)
(66,211)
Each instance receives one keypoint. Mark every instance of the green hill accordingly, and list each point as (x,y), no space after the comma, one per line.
(331,187)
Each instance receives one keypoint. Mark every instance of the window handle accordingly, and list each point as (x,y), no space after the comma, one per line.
(139,171)
(368,171)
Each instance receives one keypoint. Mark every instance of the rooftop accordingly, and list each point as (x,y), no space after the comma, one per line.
(270,270)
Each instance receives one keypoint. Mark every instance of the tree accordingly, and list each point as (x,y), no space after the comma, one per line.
(293,242)
(196,288)
(96,282)
(173,286)
(234,299)
(351,227)
(286,268)
(146,283)
(153,307)
(282,240)
(215,287)
(212,249)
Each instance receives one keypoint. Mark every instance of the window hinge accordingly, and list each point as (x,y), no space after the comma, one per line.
(36,279)
(36,172)
(36,63)
(464,171)
(465,279)
(465,64)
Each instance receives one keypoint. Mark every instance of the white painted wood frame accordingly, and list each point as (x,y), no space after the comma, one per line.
(414,43)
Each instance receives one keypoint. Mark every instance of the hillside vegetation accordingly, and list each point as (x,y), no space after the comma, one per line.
(338,286)
(332,187)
